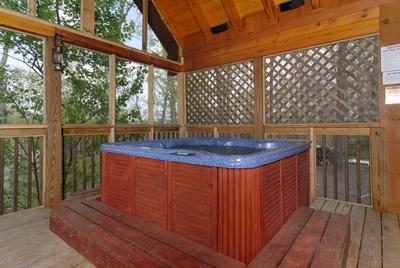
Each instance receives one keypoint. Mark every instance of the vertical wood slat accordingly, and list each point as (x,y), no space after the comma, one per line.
(29,175)
(335,169)
(15,174)
(111,96)
(73,156)
(41,163)
(358,172)
(324,168)
(83,149)
(92,164)
(1,176)
(64,167)
(32,4)
(145,16)
(346,168)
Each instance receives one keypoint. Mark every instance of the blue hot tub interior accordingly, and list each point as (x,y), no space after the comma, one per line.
(229,153)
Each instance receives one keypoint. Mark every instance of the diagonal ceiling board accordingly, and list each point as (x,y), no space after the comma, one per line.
(200,17)
(233,14)
(162,8)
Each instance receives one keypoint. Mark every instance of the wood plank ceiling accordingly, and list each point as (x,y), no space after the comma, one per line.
(190,17)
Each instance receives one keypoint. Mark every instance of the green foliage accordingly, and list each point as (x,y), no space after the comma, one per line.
(16,5)
(63,12)
(84,88)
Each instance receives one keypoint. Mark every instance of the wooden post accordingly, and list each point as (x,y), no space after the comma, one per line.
(259,98)
(87,16)
(313,153)
(390,114)
(150,100)
(52,117)
(32,7)
(145,13)
(182,106)
(111,96)
(378,163)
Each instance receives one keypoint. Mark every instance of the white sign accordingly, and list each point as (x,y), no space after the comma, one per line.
(392,95)
(390,78)
(390,58)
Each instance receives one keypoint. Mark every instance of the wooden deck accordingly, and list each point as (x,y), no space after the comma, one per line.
(26,241)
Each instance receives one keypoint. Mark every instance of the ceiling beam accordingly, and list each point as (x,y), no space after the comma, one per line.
(271,10)
(201,18)
(316,4)
(232,12)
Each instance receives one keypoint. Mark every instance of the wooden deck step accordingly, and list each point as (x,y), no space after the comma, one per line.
(311,238)
(109,238)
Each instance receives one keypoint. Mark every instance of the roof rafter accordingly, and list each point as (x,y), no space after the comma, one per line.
(201,18)
(233,14)
(271,9)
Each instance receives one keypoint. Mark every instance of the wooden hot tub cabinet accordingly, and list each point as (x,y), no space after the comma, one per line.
(234,211)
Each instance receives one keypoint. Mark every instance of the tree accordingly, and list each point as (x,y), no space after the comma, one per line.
(85,89)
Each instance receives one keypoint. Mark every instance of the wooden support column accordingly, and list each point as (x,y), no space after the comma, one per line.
(313,167)
(259,98)
(111,96)
(87,16)
(52,117)
(390,114)
(150,100)
(378,167)
(182,106)
(32,7)
(145,19)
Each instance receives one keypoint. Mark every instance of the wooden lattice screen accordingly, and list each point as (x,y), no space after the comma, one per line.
(332,83)
(221,95)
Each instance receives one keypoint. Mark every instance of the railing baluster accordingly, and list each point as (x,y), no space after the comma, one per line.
(1,176)
(29,165)
(15,174)
(92,161)
(358,177)
(325,173)
(74,179)
(335,168)
(346,168)
(83,146)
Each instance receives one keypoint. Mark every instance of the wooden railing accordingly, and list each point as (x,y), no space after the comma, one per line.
(21,167)
(81,150)
(342,166)
(221,131)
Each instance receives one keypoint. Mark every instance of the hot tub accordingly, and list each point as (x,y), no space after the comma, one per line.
(230,195)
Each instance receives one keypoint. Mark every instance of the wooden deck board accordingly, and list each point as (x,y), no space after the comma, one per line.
(390,240)
(371,243)
(26,241)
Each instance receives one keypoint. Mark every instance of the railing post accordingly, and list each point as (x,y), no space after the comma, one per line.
(182,106)
(313,153)
(150,100)
(378,163)
(52,117)
(111,96)
(259,98)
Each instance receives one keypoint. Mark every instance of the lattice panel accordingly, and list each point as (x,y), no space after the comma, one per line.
(327,84)
(221,95)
